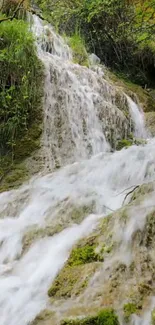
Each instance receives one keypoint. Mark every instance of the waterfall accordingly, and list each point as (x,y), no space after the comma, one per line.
(138,119)
(37,231)
(82,115)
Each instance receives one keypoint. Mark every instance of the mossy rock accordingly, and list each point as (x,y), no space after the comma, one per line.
(104,317)
(68,215)
(153,317)
(124,143)
(150,122)
(149,231)
(72,281)
(141,191)
(146,98)
(45,315)
(129,309)
(80,266)
(84,255)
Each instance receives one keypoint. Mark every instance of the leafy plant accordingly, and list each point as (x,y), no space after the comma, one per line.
(20,83)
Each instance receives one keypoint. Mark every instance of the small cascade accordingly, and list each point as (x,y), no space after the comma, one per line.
(138,119)
(84,114)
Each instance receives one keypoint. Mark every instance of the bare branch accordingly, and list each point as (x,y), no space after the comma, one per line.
(130,193)
(14,13)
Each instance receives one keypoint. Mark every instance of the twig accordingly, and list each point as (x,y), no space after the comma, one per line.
(108,208)
(130,193)
(14,14)
(126,189)
(33,11)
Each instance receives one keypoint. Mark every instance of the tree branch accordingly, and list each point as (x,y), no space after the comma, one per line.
(135,188)
(14,13)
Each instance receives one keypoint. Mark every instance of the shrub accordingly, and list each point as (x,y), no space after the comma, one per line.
(20,84)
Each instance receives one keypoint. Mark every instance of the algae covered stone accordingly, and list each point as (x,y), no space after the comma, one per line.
(129,309)
(104,317)
(123,144)
(71,281)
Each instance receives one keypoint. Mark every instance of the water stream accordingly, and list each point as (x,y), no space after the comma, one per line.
(74,97)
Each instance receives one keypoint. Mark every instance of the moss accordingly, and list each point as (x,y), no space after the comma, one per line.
(123,144)
(153,317)
(148,235)
(71,281)
(81,264)
(43,316)
(83,255)
(129,309)
(142,190)
(104,317)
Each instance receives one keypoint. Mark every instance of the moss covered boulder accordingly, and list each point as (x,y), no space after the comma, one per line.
(76,273)
(104,317)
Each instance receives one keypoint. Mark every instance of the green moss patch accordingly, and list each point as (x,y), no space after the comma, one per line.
(141,191)
(45,315)
(123,144)
(82,263)
(129,309)
(104,317)
(153,317)
(149,231)
(71,281)
(83,255)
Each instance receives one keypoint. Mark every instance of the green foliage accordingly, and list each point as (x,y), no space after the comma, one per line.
(20,85)
(77,45)
(107,317)
(123,144)
(120,32)
(104,317)
(129,309)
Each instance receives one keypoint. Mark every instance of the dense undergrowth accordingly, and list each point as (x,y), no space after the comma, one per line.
(21,76)
(120,32)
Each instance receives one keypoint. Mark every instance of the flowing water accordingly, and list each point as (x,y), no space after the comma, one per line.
(75,136)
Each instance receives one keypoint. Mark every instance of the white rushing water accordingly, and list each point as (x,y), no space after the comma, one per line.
(25,276)
(82,110)
(138,119)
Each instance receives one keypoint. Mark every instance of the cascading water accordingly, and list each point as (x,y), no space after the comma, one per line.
(74,99)
(138,119)
(81,110)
